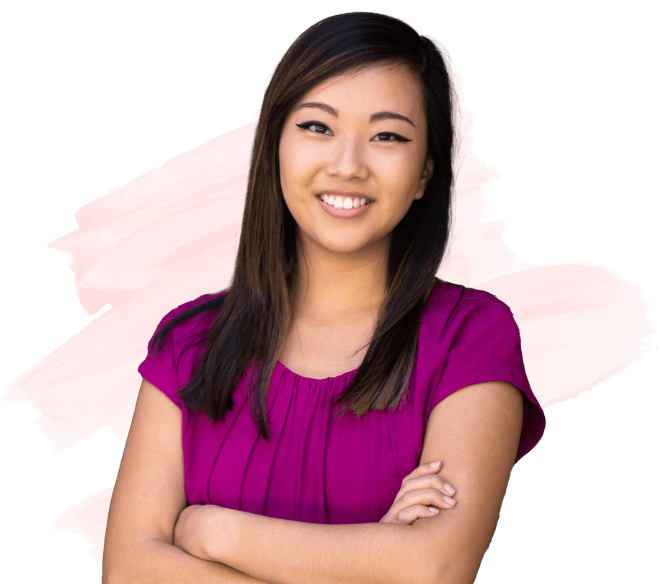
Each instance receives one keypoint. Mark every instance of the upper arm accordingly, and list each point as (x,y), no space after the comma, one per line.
(475,433)
(149,492)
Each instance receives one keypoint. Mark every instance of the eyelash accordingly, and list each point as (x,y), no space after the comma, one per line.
(397,138)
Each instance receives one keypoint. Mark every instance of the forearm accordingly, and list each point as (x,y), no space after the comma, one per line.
(156,561)
(292,552)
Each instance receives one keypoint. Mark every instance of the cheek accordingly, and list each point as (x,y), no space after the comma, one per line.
(402,178)
(292,179)
(300,170)
(288,171)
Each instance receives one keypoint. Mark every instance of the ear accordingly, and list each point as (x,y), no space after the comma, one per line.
(427,173)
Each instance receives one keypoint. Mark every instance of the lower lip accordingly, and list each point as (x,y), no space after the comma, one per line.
(343,213)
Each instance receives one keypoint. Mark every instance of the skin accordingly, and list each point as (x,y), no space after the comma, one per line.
(343,261)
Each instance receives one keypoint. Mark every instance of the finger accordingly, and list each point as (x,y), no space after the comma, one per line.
(438,482)
(423,469)
(425,497)
(428,481)
(410,514)
(433,467)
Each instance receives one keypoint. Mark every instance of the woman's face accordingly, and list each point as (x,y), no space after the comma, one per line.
(362,134)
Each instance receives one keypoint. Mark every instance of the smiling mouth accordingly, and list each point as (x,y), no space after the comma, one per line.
(367,201)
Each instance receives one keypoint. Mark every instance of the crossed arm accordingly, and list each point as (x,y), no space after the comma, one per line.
(475,432)
(292,552)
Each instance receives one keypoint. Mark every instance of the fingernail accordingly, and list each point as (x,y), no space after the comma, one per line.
(435,464)
(451,490)
(434,510)
(449,501)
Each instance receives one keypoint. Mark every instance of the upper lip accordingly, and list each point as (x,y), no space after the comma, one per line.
(345,194)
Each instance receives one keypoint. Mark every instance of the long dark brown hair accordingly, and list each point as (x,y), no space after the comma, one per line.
(256,314)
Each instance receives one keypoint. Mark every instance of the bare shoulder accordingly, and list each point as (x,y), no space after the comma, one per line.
(149,492)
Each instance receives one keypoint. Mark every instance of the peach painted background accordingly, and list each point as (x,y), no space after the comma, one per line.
(125,144)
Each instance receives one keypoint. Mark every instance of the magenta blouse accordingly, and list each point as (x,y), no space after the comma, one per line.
(318,469)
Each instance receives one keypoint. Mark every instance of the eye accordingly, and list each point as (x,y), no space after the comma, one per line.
(387,137)
(316,127)
(324,129)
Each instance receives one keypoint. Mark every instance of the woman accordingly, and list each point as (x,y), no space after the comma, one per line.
(361,369)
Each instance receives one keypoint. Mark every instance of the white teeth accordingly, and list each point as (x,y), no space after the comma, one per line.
(343,202)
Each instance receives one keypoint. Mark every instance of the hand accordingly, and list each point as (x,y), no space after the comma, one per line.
(421,488)
(189,532)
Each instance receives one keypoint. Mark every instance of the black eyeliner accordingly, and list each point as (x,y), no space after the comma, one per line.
(398,138)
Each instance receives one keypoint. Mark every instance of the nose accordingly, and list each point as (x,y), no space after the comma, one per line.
(347,160)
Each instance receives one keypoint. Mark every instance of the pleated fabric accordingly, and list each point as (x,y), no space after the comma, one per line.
(318,469)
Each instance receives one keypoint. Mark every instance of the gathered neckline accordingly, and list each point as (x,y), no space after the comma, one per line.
(288,371)
(294,374)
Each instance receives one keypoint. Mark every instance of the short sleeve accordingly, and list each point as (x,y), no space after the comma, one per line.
(159,367)
(484,345)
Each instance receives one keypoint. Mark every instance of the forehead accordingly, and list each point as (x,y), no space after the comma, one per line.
(375,88)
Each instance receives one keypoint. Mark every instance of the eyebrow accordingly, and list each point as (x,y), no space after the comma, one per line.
(374,117)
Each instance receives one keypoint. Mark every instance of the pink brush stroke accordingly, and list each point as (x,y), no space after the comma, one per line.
(171,234)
